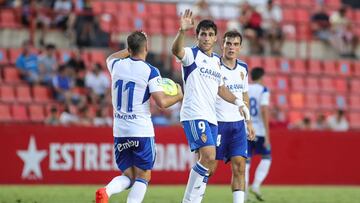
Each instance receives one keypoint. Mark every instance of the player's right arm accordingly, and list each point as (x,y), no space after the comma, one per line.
(164,101)
(186,23)
(120,54)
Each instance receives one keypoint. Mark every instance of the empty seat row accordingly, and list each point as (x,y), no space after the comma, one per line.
(22,113)
(24,94)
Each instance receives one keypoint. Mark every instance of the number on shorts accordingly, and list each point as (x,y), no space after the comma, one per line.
(201,125)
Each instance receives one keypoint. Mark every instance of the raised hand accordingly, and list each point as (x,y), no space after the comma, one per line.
(186,20)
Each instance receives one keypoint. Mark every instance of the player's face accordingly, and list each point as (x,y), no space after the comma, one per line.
(206,39)
(231,47)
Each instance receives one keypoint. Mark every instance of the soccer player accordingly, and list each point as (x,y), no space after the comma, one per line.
(133,82)
(259,111)
(202,83)
(231,142)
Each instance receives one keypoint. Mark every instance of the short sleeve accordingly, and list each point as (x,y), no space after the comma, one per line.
(265,98)
(188,58)
(155,80)
(110,63)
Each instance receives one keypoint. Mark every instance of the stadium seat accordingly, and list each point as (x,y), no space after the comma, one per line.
(330,68)
(281,100)
(314,67)
(333,3)
(154,9)
(355,86)
(19,113)
(11,75)
(344,67)
(170,26)
(354,118)
(106,22)
(269,83)
(312,84)
(169,10)
(327,84)
(312,101)
(7,93)
(140,9)
(14,53)
(282,83)
(285,65)
(154,26)
(327,101)
(297,100)
(98,56)
(124,24)
(97,7)
(126,8)
(356,68)
(289,15)
(354,102)
(23,93)
(289,3)
(41,94)
(5,115)
(111,7)
(297,83)
(295,116)
(270,64)
(36,113)
(3,57)
(298,66)
(341,85)
(306,3)
(255,61)
(302,15)
(341,102)
(8,18)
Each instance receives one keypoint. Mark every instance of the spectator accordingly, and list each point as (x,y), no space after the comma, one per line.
(98,84)
(27,63)
(53,117)
(101,118)
(63,86)
(47,65)
(346,40)
(271,24)
(338,122)
(62,9)
(320,24)
(67,117)
(304,124)
(320,123)
(84,118)
(251,22)
(77,67)
(201,10)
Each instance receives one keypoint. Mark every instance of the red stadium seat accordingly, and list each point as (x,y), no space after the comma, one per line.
(154,26)
(270,64)
(285,65)
(295,116)
(19,113)
(315,67)
(36,112)
(111,7)
(140,9)
(327,101)
(14,53)
(169,10)
(327,84)
(354,102)
(170,26)
(306,3)
(41,94)
(282,83)
(297,100)
(124,24)
(255,61)
(107,22)
(23,93)
(126,8)
(288,2)
(11,75)
(281,100)
(8,18)
(333,3)
(312,101)
(344,67)
(354,118)
(154,9)
(354,86)
(7,93)
(297,83)
(302,15)
(341,85)
(98,56)
(356,68)
(289,15)
(3,57)
(268,82)
(5,115)
(330,68)
(312,84)
(298,66)
(97,7)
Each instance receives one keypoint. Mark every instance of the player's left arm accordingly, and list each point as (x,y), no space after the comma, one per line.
(249,125)
(120,54)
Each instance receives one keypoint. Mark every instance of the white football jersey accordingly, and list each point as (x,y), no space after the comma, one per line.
(236,80)
(259,96)
(132,82)
(202,78)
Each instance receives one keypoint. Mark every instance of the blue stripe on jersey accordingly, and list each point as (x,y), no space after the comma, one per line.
(243,64)
(154,72)
(146,95)
(265,89)
(189,69)
(195,51)
(112,66)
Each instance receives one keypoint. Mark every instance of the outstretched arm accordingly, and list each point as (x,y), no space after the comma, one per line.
(186,23)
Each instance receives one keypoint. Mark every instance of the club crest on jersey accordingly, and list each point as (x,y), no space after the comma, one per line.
(203,137)
(242,75)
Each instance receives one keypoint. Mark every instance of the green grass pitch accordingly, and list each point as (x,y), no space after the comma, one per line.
(173,194)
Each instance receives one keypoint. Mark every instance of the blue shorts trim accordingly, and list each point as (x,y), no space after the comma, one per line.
(135,151)
(199,133)
(257,147)
(231,140)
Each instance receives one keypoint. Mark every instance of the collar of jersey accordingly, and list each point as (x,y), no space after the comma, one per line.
(227,66)
(212,54)
(134,59)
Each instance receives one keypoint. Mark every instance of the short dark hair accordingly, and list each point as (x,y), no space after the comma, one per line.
(206,24)
(233,34)
(257,73)
(136,41)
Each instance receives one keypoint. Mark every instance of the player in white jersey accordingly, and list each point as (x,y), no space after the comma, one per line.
(133,82)
(231,142)
(259,110)
(202,83)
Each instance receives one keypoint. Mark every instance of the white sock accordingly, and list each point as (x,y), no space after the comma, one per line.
(118,184)
(247,178)
(261,173)
(195,188)
(238,196)
(137,192)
